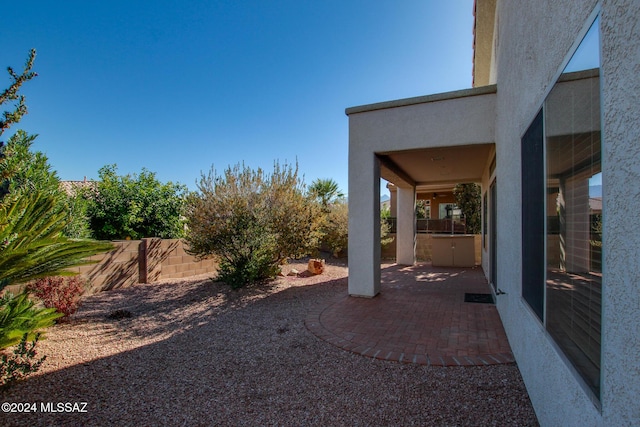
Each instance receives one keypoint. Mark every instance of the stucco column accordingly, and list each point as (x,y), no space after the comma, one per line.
(406,227)
(393,202)
(364,224)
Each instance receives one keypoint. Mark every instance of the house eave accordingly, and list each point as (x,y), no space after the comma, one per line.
(445,96)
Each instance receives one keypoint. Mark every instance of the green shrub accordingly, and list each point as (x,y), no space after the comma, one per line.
(385,212)
(252,222)
(336,228)
(21,363)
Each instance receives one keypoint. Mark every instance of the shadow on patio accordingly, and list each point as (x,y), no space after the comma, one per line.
(420,316)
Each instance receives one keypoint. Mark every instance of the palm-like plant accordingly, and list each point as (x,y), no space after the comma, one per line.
(19,317)
(31,241)
(326,191)
(31,244)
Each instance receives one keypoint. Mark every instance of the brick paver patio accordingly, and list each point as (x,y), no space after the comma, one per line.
(419,317)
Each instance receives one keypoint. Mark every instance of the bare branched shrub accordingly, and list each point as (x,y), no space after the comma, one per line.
(251,221)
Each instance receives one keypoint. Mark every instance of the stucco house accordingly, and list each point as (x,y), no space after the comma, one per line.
(550,130)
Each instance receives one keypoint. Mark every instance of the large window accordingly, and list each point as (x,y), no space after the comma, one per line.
(533,234)
(562,217)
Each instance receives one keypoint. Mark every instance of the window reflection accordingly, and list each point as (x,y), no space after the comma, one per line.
(574,210)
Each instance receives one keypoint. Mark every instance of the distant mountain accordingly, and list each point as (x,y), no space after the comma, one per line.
(384,198)
(595,191)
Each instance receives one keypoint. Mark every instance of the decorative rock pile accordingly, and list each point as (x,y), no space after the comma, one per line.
(316,266)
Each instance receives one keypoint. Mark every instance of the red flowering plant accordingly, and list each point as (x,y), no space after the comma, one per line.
(61,293)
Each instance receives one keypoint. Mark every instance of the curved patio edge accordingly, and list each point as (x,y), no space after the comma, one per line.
(314,324)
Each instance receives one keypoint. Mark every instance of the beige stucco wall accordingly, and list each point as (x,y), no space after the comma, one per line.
(535,40)
(533,43)
(621,173)
(432,121)
(487,178)
(425,124)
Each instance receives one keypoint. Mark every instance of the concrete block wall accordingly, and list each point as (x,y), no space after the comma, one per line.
(142,261)
(170,260)
(115,269)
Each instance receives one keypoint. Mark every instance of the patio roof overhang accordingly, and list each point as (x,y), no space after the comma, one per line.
(435,167)
(430,141)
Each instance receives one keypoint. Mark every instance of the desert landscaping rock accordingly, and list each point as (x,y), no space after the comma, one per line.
(316,266)
(196,353)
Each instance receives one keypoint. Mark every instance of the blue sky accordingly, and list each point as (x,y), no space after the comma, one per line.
(178,86)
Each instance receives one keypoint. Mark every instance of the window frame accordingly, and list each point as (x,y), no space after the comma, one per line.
(534,286)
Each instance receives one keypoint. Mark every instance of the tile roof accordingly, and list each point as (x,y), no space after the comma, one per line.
(70,187)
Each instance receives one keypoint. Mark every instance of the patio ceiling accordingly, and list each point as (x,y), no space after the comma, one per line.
(435,166)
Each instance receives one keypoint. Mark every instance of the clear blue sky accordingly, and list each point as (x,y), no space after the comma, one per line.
(177,86)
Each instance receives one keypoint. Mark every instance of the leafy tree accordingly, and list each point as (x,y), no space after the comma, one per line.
(18,108)
(468,198)
(251,221)
(423,209)
(325,191)
(385,212)
(31,242)
(23,170)
(32,214)
(29,171)
(135,206)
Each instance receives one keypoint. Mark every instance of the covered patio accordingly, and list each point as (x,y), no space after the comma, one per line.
(429,142)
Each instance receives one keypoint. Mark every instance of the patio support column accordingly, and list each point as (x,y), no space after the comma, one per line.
(393,201)
(406,226)
(364,224)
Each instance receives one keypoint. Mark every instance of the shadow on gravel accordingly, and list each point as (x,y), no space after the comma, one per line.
(165,309)
(249,360)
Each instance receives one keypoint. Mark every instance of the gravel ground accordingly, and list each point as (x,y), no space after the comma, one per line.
(195,353)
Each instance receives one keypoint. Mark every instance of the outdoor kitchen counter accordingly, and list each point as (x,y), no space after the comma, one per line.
(453,250)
